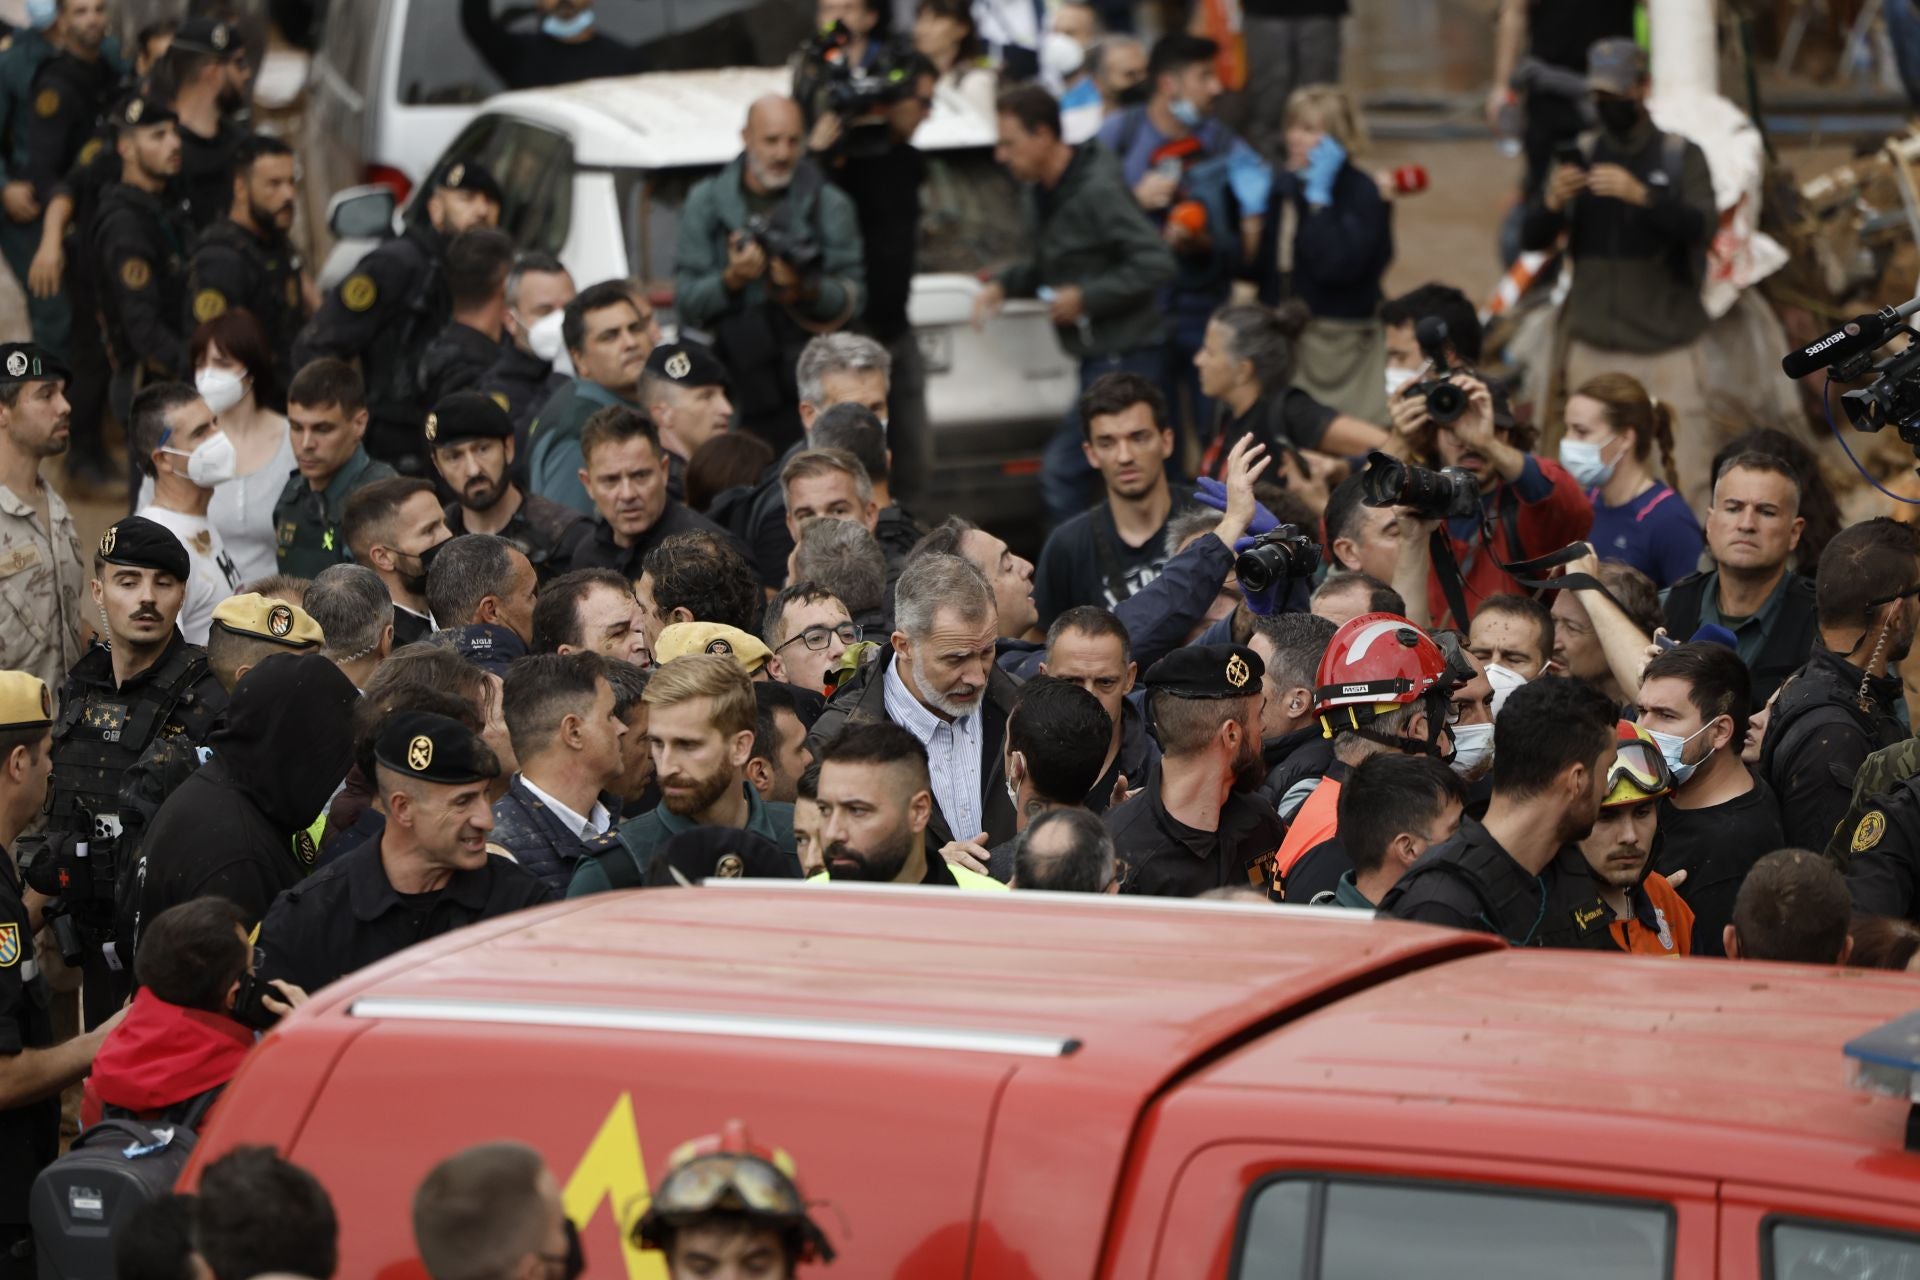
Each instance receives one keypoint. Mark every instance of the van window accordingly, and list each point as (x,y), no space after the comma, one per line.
(1334,1229)
(534,167)
(1829,1251)
(347,44)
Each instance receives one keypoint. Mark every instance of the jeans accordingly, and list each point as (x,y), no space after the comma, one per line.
(1066,478)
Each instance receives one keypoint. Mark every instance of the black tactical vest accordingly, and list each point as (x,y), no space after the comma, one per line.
(103,731)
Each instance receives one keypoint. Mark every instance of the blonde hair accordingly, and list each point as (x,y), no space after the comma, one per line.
(1329,108)
(715,676)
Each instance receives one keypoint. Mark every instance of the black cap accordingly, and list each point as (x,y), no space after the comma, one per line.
(209,35)
(720,853)
(140,543)
(26,362)
(1208,671)
(467,415)
(488,646)
(140,111)
(687,364)
(433,748)
(465,175)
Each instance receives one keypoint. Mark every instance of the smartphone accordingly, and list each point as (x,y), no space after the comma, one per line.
(1569,152)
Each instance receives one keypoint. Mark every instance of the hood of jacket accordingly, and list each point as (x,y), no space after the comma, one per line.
(287,739)
(161,1054)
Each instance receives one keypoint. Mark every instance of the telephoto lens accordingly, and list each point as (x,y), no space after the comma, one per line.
(1449,494)
(1283,554)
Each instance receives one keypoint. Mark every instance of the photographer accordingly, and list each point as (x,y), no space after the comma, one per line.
(769,255)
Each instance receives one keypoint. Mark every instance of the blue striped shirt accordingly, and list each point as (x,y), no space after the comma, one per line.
(953,754)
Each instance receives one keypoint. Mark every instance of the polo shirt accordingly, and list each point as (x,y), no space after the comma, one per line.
(642,837)
(1749,633)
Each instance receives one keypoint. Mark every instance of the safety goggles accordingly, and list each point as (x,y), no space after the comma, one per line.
(729,1181)
(1639,773)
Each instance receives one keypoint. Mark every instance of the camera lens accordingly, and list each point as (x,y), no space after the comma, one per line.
(1445,402)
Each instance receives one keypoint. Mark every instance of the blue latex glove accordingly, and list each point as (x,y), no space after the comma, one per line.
(1323,165)
(1213,493)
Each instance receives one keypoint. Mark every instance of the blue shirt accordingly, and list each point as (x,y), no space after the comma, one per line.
(1247,174)
(1656,532)
(953,754)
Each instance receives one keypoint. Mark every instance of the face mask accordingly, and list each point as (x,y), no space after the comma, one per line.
(567,28)
(1134,95)
(220,388)
(1674,747)
(1586,462)
(1060,55)
(1399,380)
(1185,112)
(212,462)
(544,337)
(41,13)
(1472,746)
(1504,681)
(1617,115)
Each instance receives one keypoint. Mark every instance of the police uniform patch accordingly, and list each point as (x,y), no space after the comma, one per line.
(90,150)
(17,365)
(135,273)
(433,426)
(209,304)
(1868,833)
(456,173)
(679,366)
(303,848)
(134,111)
(9,945)
(107,540)
(46,103)
(359,292)
(279,621)
(1238,673)
(730,867)
(420,753)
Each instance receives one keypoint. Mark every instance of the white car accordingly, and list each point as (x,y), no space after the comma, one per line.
(597,173)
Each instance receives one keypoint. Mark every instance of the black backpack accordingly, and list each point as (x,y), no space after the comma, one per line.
(80,1202)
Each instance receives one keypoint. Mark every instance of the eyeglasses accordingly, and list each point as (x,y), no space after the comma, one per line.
(820,637)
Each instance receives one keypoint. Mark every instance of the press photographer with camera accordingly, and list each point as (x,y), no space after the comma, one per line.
(769,256)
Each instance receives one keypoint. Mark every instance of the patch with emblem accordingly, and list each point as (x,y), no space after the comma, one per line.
(720,646)
(433,426)
(303,848)
(92,149)
(209,304)
(420,753)
(105,719)
(730,867)
(279,621)
(17,365)
(46,103)
(679,365)
(359,293)
(1238,672)
(46,702)
(135,273)
(134,111)
(107,540)
(24,557)
(1868,833)
(500,398)
(9,945)
(456,173)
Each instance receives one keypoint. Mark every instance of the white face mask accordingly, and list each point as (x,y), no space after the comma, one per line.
(212,462)
(543,337)
(1504,681)
(1472,746)
(220,388)
(1060,56)
(1674,748)
(1586,462)
(1399,380)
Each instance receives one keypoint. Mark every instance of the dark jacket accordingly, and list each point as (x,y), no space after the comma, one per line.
(527,382)
(538,840)
(1169,860)
(1471,882)
(596,549)
(545,532)
(624,861)
(455,360)
(232,268)
(553,453)
(1818,737)
(1790,638)
(140,247)
(1340,252)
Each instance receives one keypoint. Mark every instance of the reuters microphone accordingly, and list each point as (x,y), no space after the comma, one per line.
(1858,336)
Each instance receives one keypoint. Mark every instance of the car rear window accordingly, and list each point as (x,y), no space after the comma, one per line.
(1832,1251)
(1306,1228)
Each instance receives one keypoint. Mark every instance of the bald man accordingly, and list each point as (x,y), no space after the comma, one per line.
(745,288)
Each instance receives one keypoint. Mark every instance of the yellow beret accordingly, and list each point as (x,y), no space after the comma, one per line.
(264,618)
(683,638)
(25,701)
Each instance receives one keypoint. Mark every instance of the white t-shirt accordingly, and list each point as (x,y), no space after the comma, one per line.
(242,512)
(214,576)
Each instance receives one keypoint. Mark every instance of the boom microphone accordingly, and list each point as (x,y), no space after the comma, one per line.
(1857,336)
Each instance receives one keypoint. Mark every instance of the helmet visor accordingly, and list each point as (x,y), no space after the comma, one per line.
(1639,773)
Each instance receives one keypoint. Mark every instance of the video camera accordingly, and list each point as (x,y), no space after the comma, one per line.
(1451,493)
(1282,554)
(848,91)
(1445,402)
(79,873)
(1892,397)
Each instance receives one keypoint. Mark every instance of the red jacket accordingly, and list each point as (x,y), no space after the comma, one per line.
(1559,515)
(162,1055)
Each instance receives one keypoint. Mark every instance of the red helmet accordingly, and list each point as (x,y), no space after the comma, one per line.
(1377,660)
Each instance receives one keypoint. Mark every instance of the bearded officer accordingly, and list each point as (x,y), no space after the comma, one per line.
(141,236)
(470,438)
(246,259)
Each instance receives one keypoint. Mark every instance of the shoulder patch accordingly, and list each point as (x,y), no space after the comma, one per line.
(10,945)
(1868,833)
(46,102)
(90,150)
(135,273)
(359,293)
(209,304)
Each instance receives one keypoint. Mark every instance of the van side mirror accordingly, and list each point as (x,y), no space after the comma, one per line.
(361,213)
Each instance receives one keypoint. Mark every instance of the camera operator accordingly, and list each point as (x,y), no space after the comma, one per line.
(769,256)
(842,48)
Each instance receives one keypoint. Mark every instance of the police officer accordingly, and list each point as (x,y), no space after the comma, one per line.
(140,241)
(394,304)
(478,262)
(1883,855)
(21,206)
(41,573)
(1197,824)
(245,258)
(33,1070)
(70,95)
(146,684)
(207,65)
(430,871)
(684,389)
(1554,749)
(471,441)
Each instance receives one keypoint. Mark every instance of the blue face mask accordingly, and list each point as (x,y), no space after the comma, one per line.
(1674,748)
(1185,112)
(567,28)
(41,13)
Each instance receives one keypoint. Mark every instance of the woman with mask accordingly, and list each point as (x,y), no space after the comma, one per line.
(233,372)
(1612,427)
(944,33)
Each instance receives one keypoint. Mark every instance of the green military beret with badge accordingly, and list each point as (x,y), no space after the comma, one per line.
(136,542)
(264,618)
(431,748)
(1208,671)
(25,701)
(27,362)
(467,415)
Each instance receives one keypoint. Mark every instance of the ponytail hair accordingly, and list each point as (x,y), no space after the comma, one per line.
(1630,407)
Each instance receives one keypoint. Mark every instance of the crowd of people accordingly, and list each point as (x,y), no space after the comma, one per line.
(458,589)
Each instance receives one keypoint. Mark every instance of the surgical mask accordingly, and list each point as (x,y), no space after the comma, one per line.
(1586,462)
(1674,747)
(41,13)
(1472,746)
(573,28)
(212,462)
(1618,116)
(1060,56)
(1185,112)
(544,337)
(220,388)
(1504,681)
(1399,380)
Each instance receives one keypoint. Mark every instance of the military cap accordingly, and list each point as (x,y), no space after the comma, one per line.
(1615,65)
(140,543)
(26,362)
(683,638)
(1208,671)
(264,618)
(209,35)
(433,748)
(720,853)
(139,111)
(465,175)
(687,364)
(467,415)
(25,701)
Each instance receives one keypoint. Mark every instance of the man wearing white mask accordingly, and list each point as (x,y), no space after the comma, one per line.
(175,441)
(538,291)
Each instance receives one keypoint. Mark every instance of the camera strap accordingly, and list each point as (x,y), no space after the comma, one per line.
(1530,574)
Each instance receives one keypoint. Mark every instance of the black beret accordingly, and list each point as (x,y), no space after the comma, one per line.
(467,415)
(465,175)
(1208,671)
(488,646)
(433,748)
(687,364)
(25,362)
(723,853)
(139,111)
(140,543)
(209,35)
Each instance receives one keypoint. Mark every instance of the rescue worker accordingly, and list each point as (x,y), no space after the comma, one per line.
(1198,824)
(724,1206)
(395,303)
(140,239)
(33,1070)
(207,65)
(39,549)
(1554,748)
(470,439)
(246,259)
(146,684)
(430,871)
(1647,916)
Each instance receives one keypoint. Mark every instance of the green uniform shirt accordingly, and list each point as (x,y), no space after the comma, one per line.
(644,835)
(308,523)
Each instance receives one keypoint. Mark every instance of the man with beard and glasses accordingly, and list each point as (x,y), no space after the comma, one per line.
(392,526)
(1198,824)
(876,802)
(36,531)
(1644,914)
(1554,749)
(470,438)
(701,714)
(245,260)
(208,67)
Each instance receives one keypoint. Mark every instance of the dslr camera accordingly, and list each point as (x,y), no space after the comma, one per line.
(1445,402)
(1448,494)
(796,248)
(1282,554)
